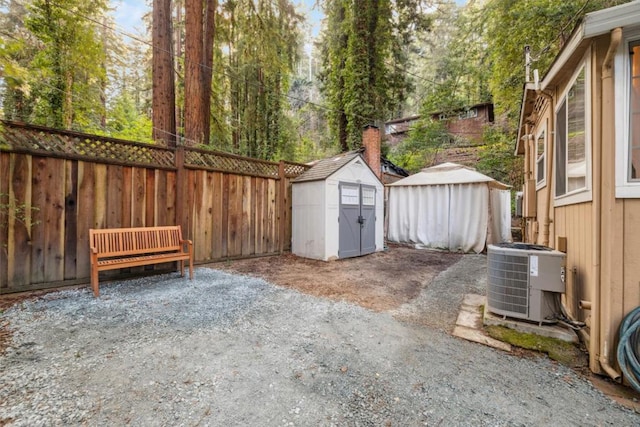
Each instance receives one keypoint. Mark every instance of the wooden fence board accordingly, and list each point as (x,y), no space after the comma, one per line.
(252,215)
(161,199)
(4,220)
(234,237)
(114,196)
(149,213)
(86,210)
(100,193)
(53,213)
(40,184)
(225,215)
(272,230)
(169,209)
(126,213)
(70,248)
(19,248)
(139,198)
(207,231)
(199,214)
(216,201)
(246,248)
(259,212)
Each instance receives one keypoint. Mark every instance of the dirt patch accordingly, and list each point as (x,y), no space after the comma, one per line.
(381,281)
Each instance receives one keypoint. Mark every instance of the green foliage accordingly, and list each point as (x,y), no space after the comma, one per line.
(126,122)
(420,148)
(497,159)
(54,63)
(363,79)
(510,25)
(258,41)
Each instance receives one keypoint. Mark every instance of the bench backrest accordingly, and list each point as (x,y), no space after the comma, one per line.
(132,241)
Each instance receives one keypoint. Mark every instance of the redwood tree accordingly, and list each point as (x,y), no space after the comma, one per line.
(164,95)
(199,36)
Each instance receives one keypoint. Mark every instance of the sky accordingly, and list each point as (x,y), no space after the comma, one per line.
(128,14)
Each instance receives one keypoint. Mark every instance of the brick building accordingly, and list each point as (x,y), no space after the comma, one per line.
(465,126)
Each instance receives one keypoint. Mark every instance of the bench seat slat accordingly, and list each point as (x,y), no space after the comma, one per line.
(134,261)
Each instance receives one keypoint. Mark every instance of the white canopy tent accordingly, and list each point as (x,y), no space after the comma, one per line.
(449,206)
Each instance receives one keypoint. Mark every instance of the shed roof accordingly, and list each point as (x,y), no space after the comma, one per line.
(448,173)
(327,167)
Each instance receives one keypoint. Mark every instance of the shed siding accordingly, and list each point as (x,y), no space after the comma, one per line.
(309,233)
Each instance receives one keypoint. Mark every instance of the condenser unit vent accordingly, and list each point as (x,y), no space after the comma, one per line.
(523,280)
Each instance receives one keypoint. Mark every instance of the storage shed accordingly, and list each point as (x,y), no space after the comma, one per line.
(337,209)
(449,206)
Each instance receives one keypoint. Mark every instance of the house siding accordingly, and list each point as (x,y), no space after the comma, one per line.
(608,276)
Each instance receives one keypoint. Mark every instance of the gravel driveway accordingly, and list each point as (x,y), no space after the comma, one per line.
(232,350)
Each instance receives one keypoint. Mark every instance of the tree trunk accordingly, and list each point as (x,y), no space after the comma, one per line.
(207,72)
(164,95)
(193,56)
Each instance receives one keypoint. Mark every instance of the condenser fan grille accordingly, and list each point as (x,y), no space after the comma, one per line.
(508,283)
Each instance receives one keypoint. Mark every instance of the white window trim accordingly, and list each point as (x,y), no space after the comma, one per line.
(583,194)
(542,183)
(625,189)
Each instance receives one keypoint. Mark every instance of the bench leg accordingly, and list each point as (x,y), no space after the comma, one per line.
(94,282)
(191,269)
(181,268)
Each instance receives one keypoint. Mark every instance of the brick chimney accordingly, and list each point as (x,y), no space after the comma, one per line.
(371,144)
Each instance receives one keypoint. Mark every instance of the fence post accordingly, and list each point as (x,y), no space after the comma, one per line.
(282,207)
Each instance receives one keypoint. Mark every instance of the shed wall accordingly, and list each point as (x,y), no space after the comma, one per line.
(309,220)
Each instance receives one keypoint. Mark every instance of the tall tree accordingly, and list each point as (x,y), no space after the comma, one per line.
(363,76)
(261,40)
(199,38)
(164,95)
(543,25)
(67,71)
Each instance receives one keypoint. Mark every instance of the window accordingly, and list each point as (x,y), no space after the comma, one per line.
(541,146)
(627,116)
(571,138)
(634,112)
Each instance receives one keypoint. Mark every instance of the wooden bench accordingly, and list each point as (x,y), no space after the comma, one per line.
(131,247)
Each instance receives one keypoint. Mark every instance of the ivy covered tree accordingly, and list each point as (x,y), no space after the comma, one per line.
(259,41)
(363,78)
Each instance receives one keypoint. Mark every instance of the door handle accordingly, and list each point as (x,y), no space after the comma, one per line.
(360,219)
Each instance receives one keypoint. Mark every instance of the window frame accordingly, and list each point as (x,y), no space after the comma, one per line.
(542,158)
(585,193)
(625,187)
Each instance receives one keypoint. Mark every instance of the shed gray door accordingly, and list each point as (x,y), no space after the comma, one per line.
(357,220)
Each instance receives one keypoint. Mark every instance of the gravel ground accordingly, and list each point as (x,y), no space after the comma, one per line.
(232,350)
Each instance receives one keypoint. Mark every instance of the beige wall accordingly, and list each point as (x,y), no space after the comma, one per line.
(602,235)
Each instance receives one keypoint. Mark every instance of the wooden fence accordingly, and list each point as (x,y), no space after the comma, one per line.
(55,186)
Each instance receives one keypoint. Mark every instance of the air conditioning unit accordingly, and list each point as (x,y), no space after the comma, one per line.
(523,281)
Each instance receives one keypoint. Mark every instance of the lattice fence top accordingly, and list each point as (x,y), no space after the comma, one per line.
(51,142)
(291,170)
(225,162)
(36,139)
